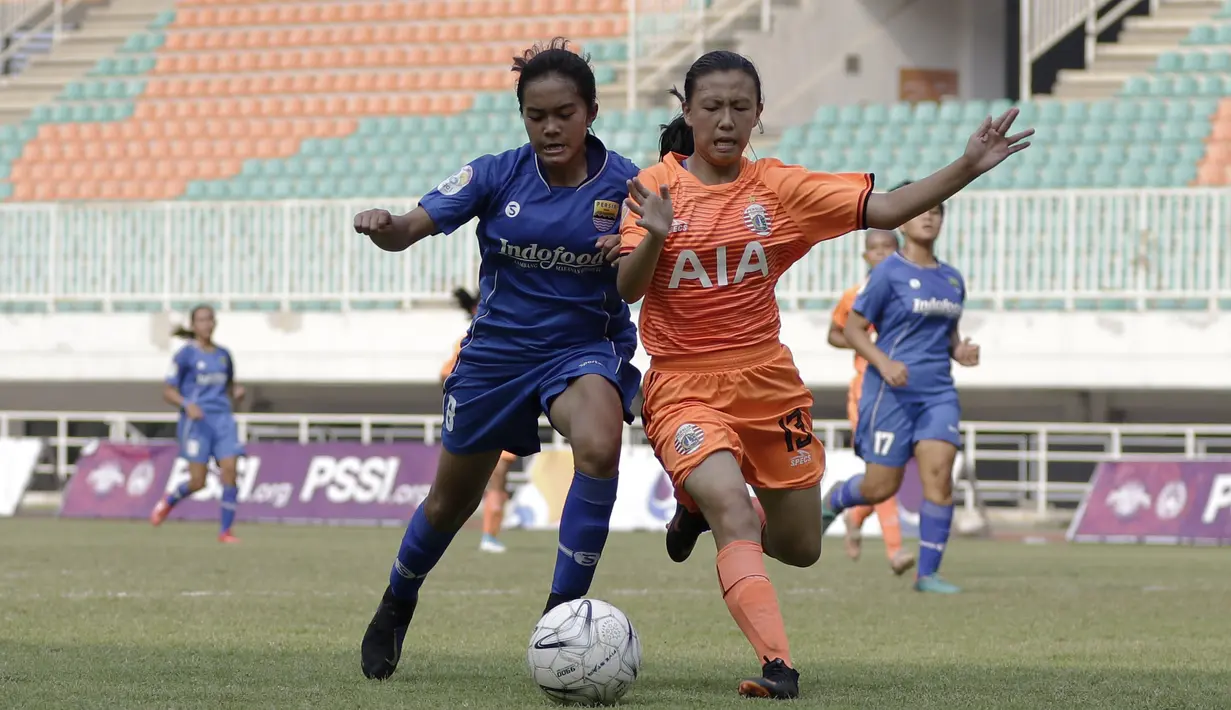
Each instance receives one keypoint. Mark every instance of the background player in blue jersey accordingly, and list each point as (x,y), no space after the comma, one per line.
(551,333)
(201,384)
(909,404)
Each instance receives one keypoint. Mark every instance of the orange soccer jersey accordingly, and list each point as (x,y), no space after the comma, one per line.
(840,314)
(719,378)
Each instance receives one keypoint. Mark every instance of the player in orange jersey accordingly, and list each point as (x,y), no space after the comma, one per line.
(704,244)
(878,244)
(497,493)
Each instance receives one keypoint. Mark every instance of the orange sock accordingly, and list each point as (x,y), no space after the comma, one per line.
(751,599)
(859,514)
(493,512)
(891,528)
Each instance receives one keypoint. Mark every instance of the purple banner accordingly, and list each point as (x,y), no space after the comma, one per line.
(344,483)
(1173,502)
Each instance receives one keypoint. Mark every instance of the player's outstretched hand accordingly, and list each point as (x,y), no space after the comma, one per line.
(610,245)
(991,144)
(655,210)
(894,374)
(966,353)
(374,223)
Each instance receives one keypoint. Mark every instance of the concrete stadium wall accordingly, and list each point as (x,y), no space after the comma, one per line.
(802,60)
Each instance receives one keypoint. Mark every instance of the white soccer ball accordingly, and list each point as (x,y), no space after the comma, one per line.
(585,652)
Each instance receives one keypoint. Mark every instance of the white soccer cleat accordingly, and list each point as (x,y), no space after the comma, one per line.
(491,544)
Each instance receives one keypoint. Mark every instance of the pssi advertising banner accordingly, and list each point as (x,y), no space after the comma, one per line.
(341,483)
(375,484)
(1160,501)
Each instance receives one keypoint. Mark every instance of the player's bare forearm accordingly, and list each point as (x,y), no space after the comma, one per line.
(171,396)
(405,230)
(636,270)
(857,335)
(837,337)
(890,210)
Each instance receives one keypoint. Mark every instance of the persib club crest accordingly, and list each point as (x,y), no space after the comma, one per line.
(605,214)
(757,220)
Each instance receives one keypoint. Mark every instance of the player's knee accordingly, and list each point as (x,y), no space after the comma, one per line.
(878,488)
(449,512)
(733,517)
(798,550)
(596,453)
(937,483)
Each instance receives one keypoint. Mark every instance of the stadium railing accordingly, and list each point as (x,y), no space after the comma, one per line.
(1051,250)
(1031,465)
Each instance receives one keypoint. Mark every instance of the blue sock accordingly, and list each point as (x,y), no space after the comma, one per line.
(422,547)
(178,494)
(847,495)
(584,523)
(230,501)
(934,523)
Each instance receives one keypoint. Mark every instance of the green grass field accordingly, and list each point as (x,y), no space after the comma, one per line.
(118,615)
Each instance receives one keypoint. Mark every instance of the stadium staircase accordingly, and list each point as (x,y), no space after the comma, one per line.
(1138,48)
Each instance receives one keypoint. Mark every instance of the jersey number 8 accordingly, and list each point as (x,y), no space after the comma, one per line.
(450,410)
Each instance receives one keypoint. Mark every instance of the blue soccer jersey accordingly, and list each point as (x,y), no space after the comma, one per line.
(915,310)
(204,378)
(543,284)
(549,311)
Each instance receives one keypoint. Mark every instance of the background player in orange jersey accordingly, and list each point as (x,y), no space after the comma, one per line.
(497,494)
(724,404)
(878,244)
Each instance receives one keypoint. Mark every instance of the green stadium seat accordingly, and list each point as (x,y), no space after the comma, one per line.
(900,113)
(1201,34)
(1136,86)
(1192,62)
(1169,62)
(1074,112)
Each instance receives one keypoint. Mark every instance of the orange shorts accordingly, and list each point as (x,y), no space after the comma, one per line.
(749,401)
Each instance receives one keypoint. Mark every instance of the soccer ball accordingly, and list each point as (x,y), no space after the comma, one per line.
(584,652)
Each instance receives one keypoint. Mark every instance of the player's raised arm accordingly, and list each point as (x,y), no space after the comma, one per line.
(395,232)
(989,146)
(455,201)
(643,234)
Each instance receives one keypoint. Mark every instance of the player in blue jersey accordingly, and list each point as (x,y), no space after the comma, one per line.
(201,384)
(909,406)
(551,334)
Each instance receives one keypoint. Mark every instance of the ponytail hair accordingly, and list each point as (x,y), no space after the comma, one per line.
(676,137)
(185,332)
(465,300)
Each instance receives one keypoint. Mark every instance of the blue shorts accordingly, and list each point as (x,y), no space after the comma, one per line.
(890,424)
(215,436)
(497,407)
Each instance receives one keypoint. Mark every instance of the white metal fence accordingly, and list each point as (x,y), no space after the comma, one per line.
(1030,465)
(1073,249)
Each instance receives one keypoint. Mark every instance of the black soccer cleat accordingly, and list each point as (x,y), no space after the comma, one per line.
(382,643)
(554,600)
(778,681)
(682,532)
